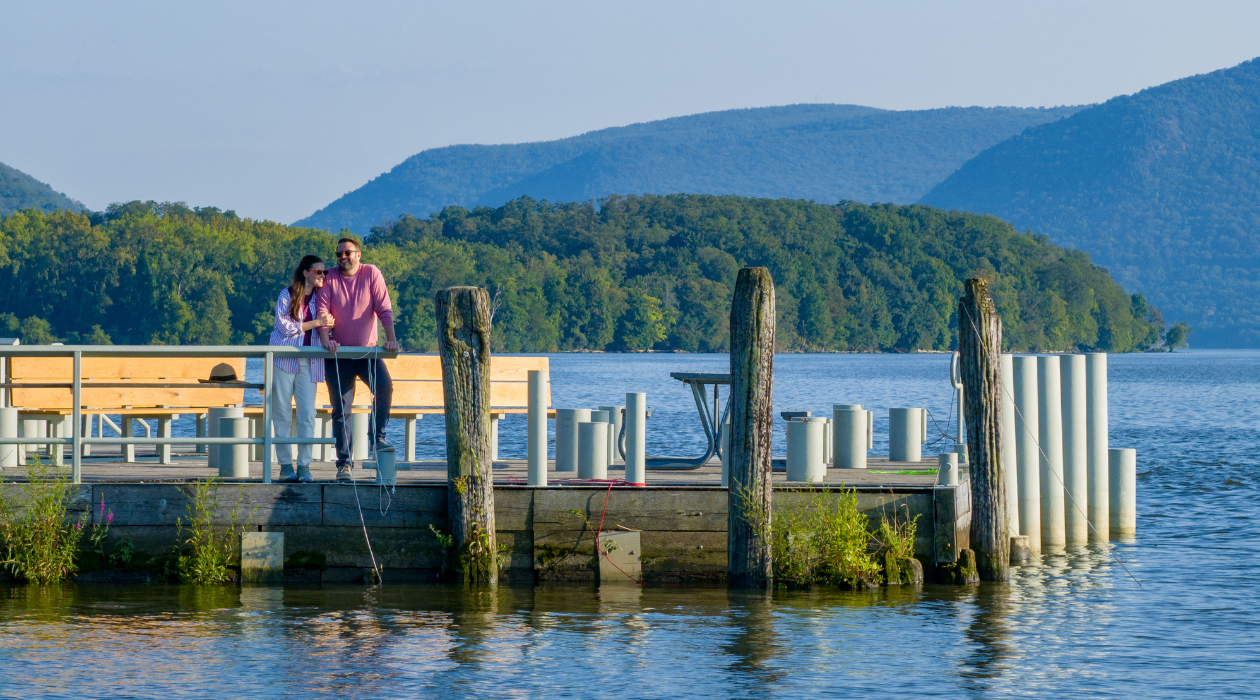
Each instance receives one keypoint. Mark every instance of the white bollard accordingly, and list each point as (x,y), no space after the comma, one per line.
(947,466)
(234,459)
(605,417)
(1122,468)
(386,469)
(567,420)
(1050,438)
(1010,470)
(213,416)
(494,437)
(360,444)
(536,437)
(616,417)
(1027,459)
(805,451)
(8,429)
(870,430)
(1096,444)
(905,434)
(829,441)
(1075,450)
(849,435)
(636,438)
(593,450)
(724,439)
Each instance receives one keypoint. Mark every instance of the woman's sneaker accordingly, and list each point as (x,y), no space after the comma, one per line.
(287,475)
(304,474)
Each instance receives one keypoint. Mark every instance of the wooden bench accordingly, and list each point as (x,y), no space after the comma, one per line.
(145,401)
(418,391)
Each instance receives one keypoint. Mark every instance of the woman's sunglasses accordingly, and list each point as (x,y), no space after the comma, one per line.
(321,273)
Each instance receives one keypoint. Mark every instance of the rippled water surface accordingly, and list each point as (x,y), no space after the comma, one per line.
(1074,625)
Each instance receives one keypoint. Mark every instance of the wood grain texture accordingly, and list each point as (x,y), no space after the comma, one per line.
(752,420)
(463,324)
(980,348)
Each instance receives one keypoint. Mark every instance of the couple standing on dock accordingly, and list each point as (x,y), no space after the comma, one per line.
(342,305)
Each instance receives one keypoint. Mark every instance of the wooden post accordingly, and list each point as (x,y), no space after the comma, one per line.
(463,325)
(748,554)
(980,348)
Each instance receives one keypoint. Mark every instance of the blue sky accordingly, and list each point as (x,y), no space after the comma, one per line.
(276,108)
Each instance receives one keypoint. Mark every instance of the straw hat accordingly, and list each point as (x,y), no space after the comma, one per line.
(222,372)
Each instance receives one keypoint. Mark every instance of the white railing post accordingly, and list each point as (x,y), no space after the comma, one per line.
(536,430)
(76,423)
(266,431)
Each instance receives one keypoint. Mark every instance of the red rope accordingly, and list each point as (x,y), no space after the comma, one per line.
(600,531)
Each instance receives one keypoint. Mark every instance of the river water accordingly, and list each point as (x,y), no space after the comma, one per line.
(1072,625)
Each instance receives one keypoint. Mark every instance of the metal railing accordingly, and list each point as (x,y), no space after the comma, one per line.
(268,353)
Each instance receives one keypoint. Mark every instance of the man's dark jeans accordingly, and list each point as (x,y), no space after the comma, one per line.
(339,375)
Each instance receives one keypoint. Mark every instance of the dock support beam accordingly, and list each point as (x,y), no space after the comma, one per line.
(748,532)
(1009,460)
(1096,439)
(463,326)
(980,375)
(1123,471)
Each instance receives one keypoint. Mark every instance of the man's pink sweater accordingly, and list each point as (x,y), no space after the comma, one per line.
(355,302)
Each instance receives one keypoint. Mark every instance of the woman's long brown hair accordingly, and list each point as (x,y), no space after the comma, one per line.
(297,290)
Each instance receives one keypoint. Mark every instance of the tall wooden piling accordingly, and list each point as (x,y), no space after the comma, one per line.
(980,347)
(463,324)
(748,536)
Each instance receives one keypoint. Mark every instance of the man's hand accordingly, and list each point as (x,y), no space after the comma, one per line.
(391,346)
(391,342)
(330,344)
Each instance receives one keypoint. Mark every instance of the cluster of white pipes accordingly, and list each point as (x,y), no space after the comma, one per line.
(1064,485)
(586,440)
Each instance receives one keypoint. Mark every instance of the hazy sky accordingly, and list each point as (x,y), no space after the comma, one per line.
(275,109)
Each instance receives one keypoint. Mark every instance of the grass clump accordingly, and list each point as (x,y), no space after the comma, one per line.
(38,542)
(823,541)
(204,556)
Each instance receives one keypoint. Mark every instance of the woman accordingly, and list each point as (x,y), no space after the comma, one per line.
(295,380)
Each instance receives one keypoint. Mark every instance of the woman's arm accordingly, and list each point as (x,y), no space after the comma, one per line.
(286,327)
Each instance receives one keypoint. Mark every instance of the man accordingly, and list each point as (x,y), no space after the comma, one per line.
(354,295)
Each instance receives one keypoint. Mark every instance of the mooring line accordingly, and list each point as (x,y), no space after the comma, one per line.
(1011,396)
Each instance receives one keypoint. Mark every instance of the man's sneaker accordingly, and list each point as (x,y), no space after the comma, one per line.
(382,446)
(343,473)
(304,474)
(287,475)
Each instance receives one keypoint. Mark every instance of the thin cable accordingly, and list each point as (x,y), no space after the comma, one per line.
(353,483)
(1011,397)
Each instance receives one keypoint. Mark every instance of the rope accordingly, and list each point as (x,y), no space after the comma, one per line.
(350,439)
(1011,397)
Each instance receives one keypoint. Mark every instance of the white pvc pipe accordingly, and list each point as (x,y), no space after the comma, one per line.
(805,451)
(724,440)
(567,420)
(1010,470)
(616,418)
(1027,461)
(1075,452)
(8,429)
(360,444)
(1122,468)
(593,450)
(849,436)
(947,466)
(905,437)
(1050,439)
(213,416)
(494,437)
(828,440)
(536,437)
(1096,447)
(605,417)
(636,439)
(870,430)
(234,459)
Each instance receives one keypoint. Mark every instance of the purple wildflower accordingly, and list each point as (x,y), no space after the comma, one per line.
(109,519)
(78,526)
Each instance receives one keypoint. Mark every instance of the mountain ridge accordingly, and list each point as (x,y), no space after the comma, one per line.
(21,191)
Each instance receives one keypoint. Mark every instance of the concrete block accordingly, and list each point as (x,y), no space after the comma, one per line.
(622,556)
(262,557)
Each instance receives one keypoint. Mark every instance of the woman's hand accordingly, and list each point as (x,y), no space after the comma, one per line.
(326,320)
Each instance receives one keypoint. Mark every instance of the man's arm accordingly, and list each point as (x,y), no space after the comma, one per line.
(384,310)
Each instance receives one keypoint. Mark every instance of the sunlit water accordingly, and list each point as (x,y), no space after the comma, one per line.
(1075,625)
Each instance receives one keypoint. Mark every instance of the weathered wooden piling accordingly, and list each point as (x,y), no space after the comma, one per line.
(463,323)
(748,532)
(980,348)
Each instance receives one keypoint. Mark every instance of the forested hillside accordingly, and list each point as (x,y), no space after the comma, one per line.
(826,153)
(1162,187)
(21,191)
(634,273)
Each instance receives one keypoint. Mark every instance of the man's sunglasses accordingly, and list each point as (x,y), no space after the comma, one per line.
(340,253)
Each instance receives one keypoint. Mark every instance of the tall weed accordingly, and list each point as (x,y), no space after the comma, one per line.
(38,541)
(204,556)
(824,540)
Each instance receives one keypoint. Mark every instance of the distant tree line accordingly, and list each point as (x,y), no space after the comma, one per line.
(621,274)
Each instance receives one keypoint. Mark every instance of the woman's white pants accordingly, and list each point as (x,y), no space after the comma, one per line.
(287,391)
